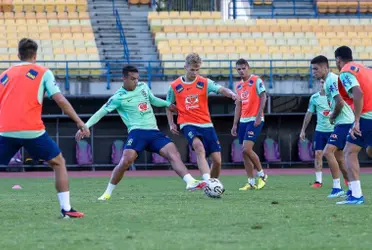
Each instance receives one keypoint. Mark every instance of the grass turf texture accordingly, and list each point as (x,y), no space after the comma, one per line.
(157,213)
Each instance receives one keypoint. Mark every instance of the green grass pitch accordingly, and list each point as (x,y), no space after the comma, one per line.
(157,213)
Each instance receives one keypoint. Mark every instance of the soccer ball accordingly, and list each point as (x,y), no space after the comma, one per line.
(214,188)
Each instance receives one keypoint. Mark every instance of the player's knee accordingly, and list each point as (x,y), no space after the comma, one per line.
(57,162)
(174,156)
(198,147)
(247,150)
(369,151)
(327,154)
(318,155)
(217,162)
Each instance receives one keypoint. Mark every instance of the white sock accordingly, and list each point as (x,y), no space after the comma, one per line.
(64,200)
(261,173)
(349,185)
(110,188)
(188,178)
(206,177)
(336,183)
(356,189)
(252,181)
(318,177)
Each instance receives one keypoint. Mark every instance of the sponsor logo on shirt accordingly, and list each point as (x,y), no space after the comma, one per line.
(192,102)
(239,87)
(32,74)
(326,112)
(244,96)
(250,83)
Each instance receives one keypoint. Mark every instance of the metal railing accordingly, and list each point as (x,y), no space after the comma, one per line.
(109,70)
(119,26)
(186,5)
(298,8)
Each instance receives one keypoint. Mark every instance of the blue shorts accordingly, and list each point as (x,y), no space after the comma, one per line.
(365,140)
(320,140)
(208,137)
(248,132)
(149,140)
(338,137)
(40,148)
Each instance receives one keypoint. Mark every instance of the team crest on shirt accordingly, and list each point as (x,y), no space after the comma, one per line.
(32,74)
(200,85)
(179,88)
(143,107)
(192,102)
(250,83)
(355,69)
(4,80)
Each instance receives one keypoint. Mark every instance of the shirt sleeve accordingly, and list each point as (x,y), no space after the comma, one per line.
(112,104)
(213,87)
(50,84)
(311,107)
(348,80)
(332,88)
(157,102)
(170,96)
(260,86)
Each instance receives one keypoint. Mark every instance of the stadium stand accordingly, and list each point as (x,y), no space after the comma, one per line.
(332,7)
(179,33)
(62,29)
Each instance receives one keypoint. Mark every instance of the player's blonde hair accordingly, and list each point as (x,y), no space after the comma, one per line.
(193,58)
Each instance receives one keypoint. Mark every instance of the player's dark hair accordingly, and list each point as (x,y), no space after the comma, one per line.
(242,61)
(320,59)
(129,68)
(345,53)
(27,48)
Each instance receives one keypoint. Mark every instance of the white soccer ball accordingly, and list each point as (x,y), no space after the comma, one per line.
(214,188)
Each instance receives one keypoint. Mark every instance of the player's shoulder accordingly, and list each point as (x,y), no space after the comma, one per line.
(39,67)
(314,96)
(119,94)
(333,77)
(142,85)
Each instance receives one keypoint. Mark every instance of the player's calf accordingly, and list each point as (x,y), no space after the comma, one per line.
(129,156)
(216,164)
(59,166)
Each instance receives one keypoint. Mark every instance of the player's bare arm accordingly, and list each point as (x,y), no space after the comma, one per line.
(305,123)
(228,93)
(66,107)
(263,98)
(237,113)
(358,98)
(338,107)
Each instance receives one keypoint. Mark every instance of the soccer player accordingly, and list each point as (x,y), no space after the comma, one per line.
(22,89)
(133,103)
(318,103)
(190,93)
(249,112)
(355,82)
(341,116)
